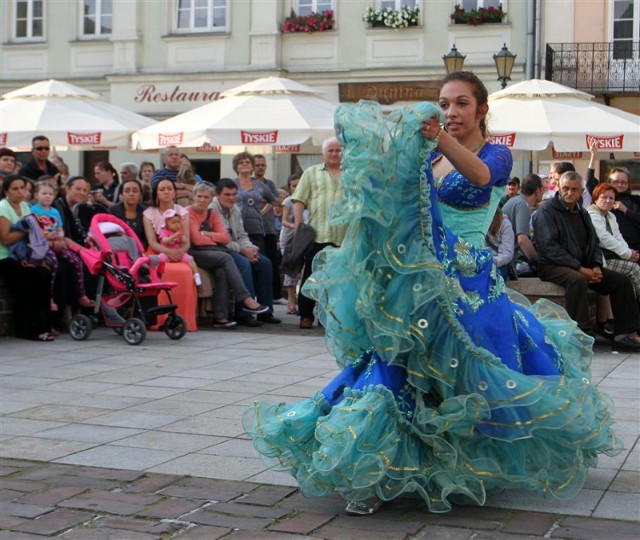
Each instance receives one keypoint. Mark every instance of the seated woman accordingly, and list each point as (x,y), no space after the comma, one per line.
(184,295)
(208,237)
(617,253)
(130,210)
(30,285)
(500,239)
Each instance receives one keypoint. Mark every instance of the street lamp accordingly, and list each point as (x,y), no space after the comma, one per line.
(504,64)
(453,60)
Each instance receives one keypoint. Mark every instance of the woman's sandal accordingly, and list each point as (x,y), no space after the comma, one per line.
(44,337)
(363,508)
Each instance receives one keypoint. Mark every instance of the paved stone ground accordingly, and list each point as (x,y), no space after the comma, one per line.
(100,440)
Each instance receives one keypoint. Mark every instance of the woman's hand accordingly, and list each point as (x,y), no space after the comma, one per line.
(431,128)
(174,254)
(618,205)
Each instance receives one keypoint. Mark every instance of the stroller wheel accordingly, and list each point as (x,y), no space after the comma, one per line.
(175,326)
(134,331)
(80,327)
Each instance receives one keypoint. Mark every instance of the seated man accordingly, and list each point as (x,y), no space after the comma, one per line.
(518,211)
(569,255)
(256,269)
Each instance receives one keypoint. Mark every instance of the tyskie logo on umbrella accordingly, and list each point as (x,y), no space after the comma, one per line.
(3,139)
(170,139)
(613,142)
(507,139)
(91,139)
(268,137)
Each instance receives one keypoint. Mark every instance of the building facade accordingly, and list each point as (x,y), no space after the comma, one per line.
(163,57)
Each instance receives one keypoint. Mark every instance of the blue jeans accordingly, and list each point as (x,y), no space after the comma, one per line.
(257,278)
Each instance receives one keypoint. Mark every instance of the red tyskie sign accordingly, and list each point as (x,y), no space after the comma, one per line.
(89,139)
(507,139)
(170,139)
(269,137)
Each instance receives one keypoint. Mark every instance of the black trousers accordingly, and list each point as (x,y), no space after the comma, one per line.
(272,253)
(305,304)
(618,286)
(31,293)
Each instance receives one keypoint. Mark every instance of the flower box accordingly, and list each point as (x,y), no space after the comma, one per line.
(475,17)
(390,18)
(314,22)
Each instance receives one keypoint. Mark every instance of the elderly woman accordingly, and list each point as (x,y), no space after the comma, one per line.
(208,238)
(251,195)
(617,253)
(30,285)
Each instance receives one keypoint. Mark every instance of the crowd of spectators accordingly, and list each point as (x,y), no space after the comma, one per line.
(582,234)
(239,282)
(579,234)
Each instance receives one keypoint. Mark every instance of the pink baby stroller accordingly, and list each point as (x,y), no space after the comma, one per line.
(127,281)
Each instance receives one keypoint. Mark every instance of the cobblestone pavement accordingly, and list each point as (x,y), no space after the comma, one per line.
(101,440)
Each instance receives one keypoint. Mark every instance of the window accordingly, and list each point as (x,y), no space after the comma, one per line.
(469,5)
(626,27)
(305,7)
(29,19)
(97,18)
(201,15)
(397,5)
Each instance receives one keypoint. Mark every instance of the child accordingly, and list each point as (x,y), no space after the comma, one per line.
(51,224)
(171,236)
(286,235)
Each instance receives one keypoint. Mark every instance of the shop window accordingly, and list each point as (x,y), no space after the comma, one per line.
(201,16)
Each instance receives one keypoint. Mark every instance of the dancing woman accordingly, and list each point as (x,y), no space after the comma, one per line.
(451,386)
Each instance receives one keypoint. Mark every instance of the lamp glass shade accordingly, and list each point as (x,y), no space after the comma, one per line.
(453,60)
(504,63)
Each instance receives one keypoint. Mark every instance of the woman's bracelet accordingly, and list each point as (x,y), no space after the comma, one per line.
(436,139)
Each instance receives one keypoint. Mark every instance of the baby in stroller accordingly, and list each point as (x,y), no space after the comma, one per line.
(128,284)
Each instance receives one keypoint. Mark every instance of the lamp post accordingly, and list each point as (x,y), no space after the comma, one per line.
(504,64)
(453,60)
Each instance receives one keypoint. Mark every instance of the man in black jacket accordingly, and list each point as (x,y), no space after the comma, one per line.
(39,164)
(569,255)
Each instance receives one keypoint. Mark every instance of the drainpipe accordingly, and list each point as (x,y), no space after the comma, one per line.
(531,38)
(537,38)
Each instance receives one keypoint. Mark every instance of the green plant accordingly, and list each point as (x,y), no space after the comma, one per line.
(392,18)
(475,17)
(314,22)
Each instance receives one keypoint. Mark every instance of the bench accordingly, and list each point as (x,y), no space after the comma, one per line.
(534,289)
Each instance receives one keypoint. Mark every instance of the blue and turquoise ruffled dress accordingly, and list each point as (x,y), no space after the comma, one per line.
(452,386)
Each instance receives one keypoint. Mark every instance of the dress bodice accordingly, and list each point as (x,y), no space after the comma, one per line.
(468,209)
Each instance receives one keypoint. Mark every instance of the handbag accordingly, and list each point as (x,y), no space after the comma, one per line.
(205,226)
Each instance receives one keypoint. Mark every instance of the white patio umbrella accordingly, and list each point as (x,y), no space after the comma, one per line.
(540,115)
(70,116)
(271,111)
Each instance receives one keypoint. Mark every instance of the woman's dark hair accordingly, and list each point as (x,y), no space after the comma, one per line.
(72,179)
(132,181)
(106,166)
(10,179)
(292,177)
(478,88)
(154,190)
(143,165)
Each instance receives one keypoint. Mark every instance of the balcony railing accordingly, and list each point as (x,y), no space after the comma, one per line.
(597,68)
